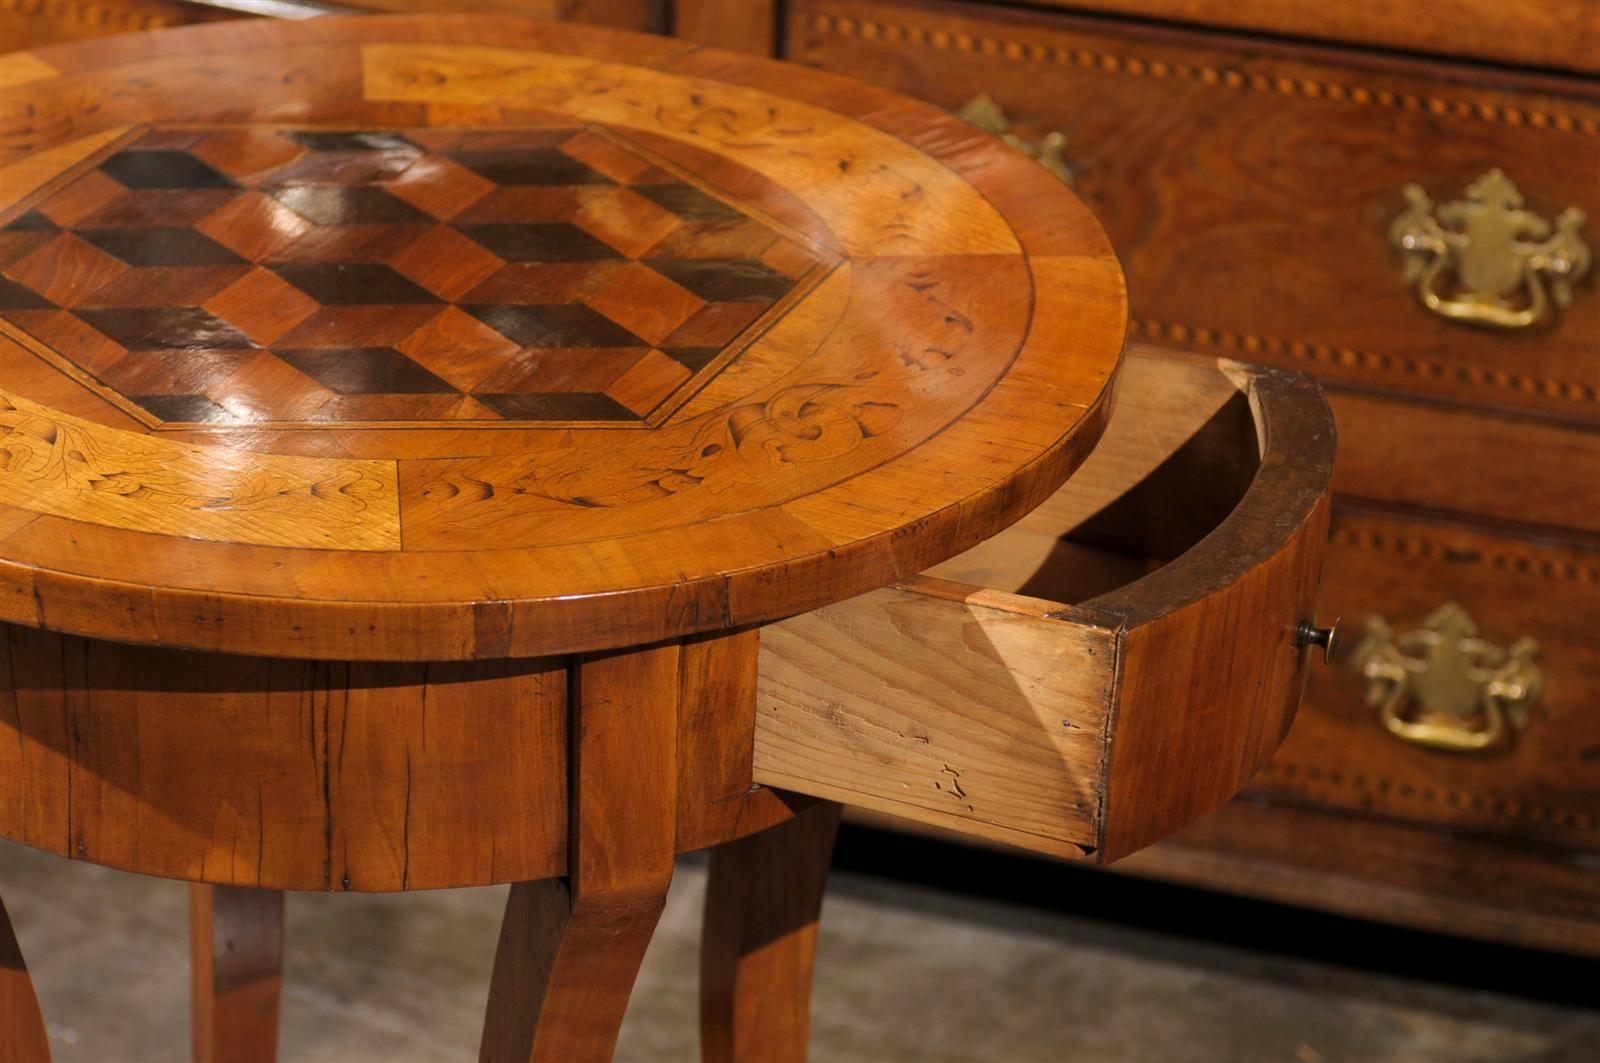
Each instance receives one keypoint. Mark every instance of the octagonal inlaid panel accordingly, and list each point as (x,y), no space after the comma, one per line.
(554,275)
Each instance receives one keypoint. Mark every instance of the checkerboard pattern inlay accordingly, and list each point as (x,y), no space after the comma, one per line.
(266,276)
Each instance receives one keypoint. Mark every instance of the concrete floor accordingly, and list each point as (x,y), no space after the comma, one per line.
(905,973)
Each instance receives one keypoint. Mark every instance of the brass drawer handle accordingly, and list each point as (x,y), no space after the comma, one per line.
(1049,152)
(1442,687)
(1485,259)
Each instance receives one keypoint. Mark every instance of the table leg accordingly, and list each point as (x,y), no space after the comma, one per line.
(570,948)
(236,967)
(22,1035)
(760,938)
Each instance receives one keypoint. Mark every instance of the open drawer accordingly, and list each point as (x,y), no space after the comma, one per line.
(1113,666)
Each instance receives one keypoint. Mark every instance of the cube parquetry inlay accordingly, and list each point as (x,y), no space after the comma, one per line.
(263,276)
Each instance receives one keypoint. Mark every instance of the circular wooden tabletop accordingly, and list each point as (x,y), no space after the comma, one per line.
(440,338)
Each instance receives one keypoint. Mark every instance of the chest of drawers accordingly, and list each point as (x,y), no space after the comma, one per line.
(1254,165)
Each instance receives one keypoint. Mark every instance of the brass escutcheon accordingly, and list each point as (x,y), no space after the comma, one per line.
(1485,259)
(1049,151)
(1441,686)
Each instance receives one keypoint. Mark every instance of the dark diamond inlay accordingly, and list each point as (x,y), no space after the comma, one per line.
(346,204)
(14,296)
(234,276)
(721,280)
(162,169)
(325,140)
(364,370)
(33,220)
(558,406)
(692,358)
(193,409)
(161,247)
(533,166)
(352,283)
(686,201)
(572,325)
(165,327)
(546,241)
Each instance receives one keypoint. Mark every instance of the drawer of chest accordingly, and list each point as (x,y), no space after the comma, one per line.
(1109,668)
(1292,206)
(1468,685)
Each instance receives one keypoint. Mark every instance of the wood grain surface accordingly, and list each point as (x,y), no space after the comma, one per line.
(443,338)
(1560,33)
(1249,184)
(22,1031)
(570,948)
(283,774)
(1061,698)
(1456,883)
(236,972)
(1538,789)
(759,940)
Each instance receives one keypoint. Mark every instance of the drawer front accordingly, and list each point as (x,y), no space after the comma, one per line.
(35,23)
(1505,466)
(1250,189)
(1540,784)
(1549,33)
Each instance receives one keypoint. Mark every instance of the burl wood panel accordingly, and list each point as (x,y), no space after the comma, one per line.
(472,338)
(1071,704)
(1249,187)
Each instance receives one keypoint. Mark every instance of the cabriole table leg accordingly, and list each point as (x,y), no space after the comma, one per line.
(570,948)
(760,938)
(22,1034)
(236,967)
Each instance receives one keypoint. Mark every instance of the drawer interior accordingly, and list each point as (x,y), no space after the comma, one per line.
(1176,459)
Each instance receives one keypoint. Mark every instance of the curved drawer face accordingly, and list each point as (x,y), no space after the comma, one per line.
(1112,666)
(1222,168)
(1539,784)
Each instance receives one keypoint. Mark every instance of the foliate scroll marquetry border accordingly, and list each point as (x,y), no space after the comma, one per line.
(1215,76)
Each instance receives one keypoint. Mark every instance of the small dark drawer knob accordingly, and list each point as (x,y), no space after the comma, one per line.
(1326,637)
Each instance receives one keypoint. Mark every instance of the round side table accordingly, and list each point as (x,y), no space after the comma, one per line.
(406,427)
